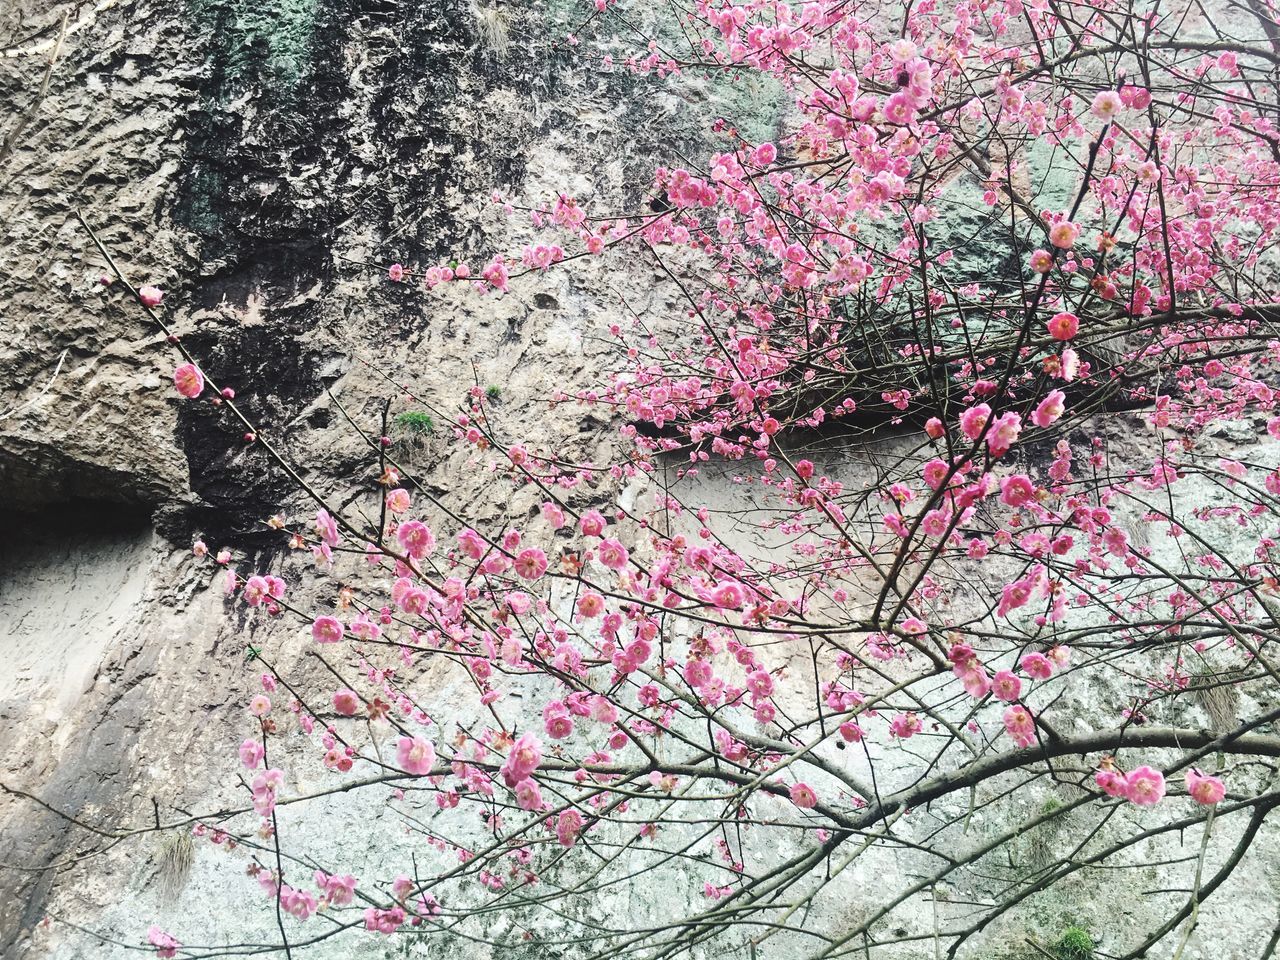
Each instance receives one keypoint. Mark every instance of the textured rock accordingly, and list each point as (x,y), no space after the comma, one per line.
(261,162)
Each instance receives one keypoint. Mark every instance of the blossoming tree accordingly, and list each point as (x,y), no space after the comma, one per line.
(929,592)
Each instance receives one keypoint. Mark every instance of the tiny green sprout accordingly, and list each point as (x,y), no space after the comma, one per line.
(251,653)
(493,392)
(416,422)
(1074,944)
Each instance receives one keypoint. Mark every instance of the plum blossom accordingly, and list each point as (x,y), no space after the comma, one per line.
(188,380)
(1020,725)
(1006,686)
(1037,666)
(592,524)
(905,726)
(346,702)
(1144,786)
(327,630)
(1063,325)
(1204,790)
(1064,234)
(1106,105)
(338,890)
(568,826)
(416,538)
(803,796)
(523,760)
(531,563)
(1049,409)
(251,754)
(1004,433)
(166,945)
(415,755)
(612,554)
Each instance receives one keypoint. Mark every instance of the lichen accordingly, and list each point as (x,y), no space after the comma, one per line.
(268,42)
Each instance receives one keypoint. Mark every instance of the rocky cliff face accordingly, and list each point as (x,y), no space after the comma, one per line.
(263,161)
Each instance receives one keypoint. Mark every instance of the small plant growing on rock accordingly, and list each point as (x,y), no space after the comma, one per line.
(415,423)
(1074,944)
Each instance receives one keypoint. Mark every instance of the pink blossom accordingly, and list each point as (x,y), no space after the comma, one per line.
(760,683)
(592,524)
(1111,782)
(1041,261)
(803,796)
(1050,409)
(728,596)
(150,296)
(415,755)
(1117,541)
(528,795)
(1017,490)
(697,673)
(384,921)
(338,890)
(556,720)
(1004,433)
(298,903)
(416,538)
(346,702)
(264,788)
(1006,686)
(471,544)
(905,726)
(1037,666)
(850,732)
(764,155)
(188,380)
(612,554)
(1064,234)
(1063,326)
(935,473)
(524,758)
(973,420)
(553,515)
(166,946)
(603,709)
(327,630)
(251,754)
(531,563)
(1144,786)
(1106,105)
(590,605)
(1205,790)
(398,500)
(1020,725)
(1069,365)
(568,826)
(395,273)
(260,705)
(326,527)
